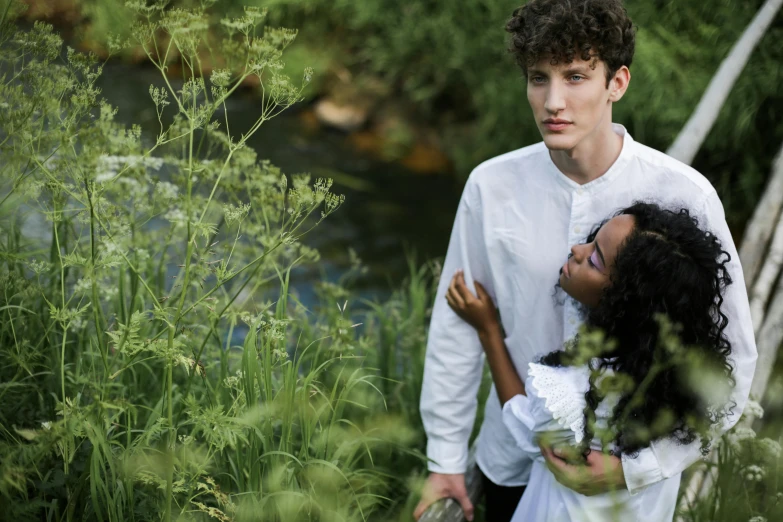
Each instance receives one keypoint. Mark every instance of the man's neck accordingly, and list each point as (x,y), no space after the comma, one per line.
(591,158)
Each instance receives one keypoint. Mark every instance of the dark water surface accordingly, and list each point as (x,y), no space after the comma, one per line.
(388,212)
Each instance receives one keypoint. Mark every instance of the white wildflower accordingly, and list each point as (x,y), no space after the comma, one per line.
(82,286)
(166,190)
(758,519)
(111,248)
(46,425)
(754,409)
(220,77)
(108,166)
(77,323)
(108,291)
(39,267)
(753,473)
(770,448)
(235,214)
(738,435)
(142,254)
(237,24)
(176,215)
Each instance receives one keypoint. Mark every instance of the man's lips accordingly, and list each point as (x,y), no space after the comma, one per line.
(556,125)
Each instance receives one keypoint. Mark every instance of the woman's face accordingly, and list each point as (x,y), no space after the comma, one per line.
(586,272)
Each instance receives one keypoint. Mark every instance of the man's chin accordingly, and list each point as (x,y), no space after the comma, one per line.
(558,142)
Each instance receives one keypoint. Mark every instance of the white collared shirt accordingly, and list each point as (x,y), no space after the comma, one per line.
(516,221)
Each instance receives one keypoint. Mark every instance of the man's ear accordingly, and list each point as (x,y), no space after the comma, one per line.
(619,83)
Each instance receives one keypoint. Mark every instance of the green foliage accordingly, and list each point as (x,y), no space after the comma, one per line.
(450,60)
(747,473)
(153,362)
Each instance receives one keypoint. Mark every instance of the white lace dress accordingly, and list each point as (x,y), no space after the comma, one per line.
(555,404)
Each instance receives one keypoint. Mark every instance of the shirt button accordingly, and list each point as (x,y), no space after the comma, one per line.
(572,320)
(577,230)
(580,191)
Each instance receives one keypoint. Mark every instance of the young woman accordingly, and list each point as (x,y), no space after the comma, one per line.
(644,263)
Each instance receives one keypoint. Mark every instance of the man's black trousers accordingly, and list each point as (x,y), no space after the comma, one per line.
(500,502)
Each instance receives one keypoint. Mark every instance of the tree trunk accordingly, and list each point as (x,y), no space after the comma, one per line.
(692,136)
(768,342)
(762,224)
(762,288)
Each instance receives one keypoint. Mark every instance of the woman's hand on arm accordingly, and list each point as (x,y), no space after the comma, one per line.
(477,310)
(480,312)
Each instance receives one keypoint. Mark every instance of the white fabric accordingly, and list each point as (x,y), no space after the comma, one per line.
(517,218)
(563,398)
(553,395)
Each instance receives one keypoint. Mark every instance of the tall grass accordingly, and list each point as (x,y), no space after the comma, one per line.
(154,363)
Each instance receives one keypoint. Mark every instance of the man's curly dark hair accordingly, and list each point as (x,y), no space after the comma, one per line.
(562,30)
(666,266)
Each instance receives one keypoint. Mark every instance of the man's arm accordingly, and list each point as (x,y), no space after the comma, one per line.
(666,458)
(453,364)
(452,367)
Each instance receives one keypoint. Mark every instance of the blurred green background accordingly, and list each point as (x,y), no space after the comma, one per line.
(430,85)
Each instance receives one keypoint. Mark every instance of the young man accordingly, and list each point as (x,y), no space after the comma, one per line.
(518,215)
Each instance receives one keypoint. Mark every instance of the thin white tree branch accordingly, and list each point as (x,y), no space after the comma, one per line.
(759,295)
(768,341)
(692,136)
(762,224)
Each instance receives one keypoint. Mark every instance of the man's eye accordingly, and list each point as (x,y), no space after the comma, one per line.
(577,78)
(537,79)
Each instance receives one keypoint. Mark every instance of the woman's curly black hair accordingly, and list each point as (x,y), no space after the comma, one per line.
(666,266)
(564,29)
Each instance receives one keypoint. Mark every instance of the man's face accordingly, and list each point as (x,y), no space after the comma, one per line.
(569,100)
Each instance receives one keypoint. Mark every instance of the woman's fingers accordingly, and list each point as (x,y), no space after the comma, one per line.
(462,288)
(482,293)
(454,294)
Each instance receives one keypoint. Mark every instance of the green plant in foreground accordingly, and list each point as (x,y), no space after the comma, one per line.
(747,477)
(153,361)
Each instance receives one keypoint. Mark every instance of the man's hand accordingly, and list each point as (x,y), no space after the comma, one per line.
(440,486)
(600,474)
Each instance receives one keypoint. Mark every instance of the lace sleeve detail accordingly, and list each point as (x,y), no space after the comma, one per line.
(563,390)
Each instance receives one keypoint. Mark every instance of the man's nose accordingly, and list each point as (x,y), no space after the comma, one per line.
(555,101)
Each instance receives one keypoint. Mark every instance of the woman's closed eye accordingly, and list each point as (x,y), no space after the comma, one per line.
(595,261)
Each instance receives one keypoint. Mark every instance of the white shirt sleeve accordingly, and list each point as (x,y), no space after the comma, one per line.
(555,404)
(521,423)
(665,458)
(454,360)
